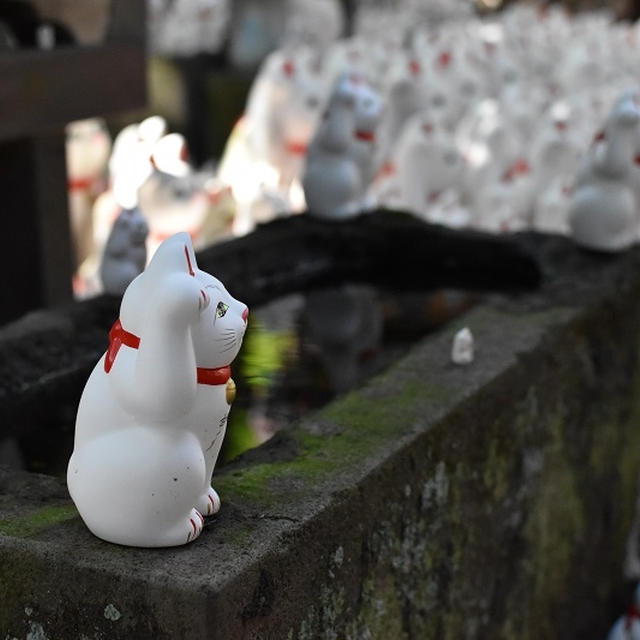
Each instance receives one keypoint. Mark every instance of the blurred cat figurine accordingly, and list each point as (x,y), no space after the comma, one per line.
(603,212)
(332,182)
(627,627)
(125,253)
(154,411)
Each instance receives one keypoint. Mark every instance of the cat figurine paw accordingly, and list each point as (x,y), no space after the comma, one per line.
(154,411)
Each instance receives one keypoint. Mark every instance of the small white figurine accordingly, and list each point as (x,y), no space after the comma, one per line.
(462,349)
(331,181)
(603,212)
(154,411)
(427,162)
(627,627)
(125,253)
(87,152)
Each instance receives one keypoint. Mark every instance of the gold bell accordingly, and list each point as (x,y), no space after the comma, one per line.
(230,391)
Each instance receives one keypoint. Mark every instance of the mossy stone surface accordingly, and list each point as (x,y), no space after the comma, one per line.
(435,502)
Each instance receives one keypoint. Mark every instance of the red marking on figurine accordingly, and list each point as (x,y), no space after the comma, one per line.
(519,168)
(637,159)
(118,337)
(212,506)
(193,524)
(79,184)
(245,314)
(213,377)
(427,127)
(296,148)
(560,125)
(365,136)
(387,169)
(186,253)
(599,137)
(288,68)
(631,615)
(444,60)
(414,67)
(184,153)
(433,196)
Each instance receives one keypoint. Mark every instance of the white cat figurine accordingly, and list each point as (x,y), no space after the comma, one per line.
(125,253)
(154,411)
(627,627)
(332,182)
(603,212)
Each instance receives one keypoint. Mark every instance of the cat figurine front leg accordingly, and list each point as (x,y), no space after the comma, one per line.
(154,411)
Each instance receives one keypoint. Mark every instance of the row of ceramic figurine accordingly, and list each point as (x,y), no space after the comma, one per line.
(144,184)
(473,124)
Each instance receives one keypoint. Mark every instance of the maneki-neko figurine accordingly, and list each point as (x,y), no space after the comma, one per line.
(154,411)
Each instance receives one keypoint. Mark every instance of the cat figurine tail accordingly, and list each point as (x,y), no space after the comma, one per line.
(154,411)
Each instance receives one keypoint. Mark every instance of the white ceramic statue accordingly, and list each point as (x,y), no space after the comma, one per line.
(125,253)
(627,627)
(427,162)
(331,181)
(462,347)
(603,212)
(87,152)
(154,410)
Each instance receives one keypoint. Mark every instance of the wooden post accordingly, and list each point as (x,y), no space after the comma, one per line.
(35,244)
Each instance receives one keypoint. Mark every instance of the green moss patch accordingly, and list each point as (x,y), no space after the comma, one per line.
(360,425)
(30,525)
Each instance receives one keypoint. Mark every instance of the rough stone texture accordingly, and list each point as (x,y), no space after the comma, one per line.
(488,501)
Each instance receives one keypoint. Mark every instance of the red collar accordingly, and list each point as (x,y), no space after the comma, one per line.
(631,615)
(296,148)
(80,184)
(119,336)
(366,136)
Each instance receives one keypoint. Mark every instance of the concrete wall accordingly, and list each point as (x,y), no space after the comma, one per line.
(489,501)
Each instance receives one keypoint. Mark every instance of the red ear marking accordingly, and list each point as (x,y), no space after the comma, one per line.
(288,68)
(186,253)
(414,67)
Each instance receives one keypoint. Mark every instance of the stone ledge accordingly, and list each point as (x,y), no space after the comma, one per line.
(435,502)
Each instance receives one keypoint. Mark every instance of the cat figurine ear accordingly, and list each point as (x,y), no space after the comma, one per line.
(154,411)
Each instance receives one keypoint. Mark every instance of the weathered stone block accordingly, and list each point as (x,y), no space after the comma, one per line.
(488,501)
